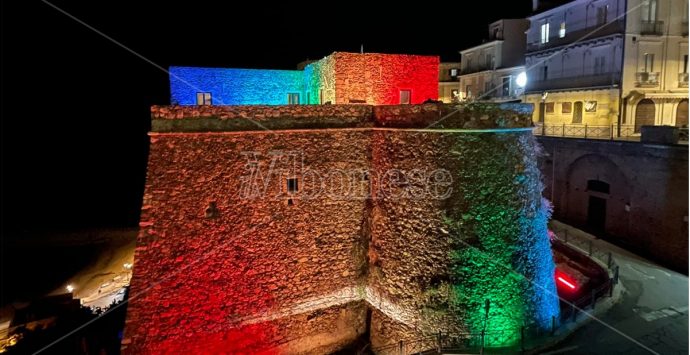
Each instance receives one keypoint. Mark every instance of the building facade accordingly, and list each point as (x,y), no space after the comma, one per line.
(340,78)
(655,74)
(574,61)
(448,82)
(608,67)
(489,71)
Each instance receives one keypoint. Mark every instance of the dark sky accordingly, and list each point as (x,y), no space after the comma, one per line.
(75,106)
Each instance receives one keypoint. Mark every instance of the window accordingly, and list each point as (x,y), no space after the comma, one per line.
(505,86)
(561,32)
(292,186)
(590,106)
(545,33)
(455,94)
(405,96)
(453,72)
(545,72)
(490,60)
(566,107)
(685,63)
(602,15)
(549,107)
(293,99)
(468,91)
(599,65)
(649,8)
(203,98)
(648,62)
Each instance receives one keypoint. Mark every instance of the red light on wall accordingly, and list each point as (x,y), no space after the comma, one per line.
(565,280)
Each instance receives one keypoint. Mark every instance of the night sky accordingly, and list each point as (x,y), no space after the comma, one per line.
(75,109)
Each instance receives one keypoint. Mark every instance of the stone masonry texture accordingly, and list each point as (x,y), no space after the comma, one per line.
(227,265)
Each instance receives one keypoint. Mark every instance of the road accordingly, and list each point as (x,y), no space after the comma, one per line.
(651,318)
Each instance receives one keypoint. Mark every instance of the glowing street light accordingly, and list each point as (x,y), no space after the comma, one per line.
(521,79)
(69,288)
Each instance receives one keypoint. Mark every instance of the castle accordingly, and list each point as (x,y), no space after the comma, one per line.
(302,228)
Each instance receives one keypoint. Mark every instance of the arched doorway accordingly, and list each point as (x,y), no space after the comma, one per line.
(644,115)
(682,114)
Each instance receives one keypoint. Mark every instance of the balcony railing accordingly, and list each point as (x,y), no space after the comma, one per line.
(647,79)
(683,80)
(613,131)
(574,81)
(591,31)
(655,28)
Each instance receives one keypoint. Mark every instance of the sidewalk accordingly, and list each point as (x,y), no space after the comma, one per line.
(651,317)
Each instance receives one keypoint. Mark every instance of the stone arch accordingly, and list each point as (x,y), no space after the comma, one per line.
(645,114)
(682,113)
(578,196)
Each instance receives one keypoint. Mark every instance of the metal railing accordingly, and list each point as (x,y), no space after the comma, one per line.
(646,79)
(683,135)
(585,131)
(653,27)
(573,79)
(577,31)
(587,246)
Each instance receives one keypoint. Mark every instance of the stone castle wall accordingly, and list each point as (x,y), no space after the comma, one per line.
(219,268)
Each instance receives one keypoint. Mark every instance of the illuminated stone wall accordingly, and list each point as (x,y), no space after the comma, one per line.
(341,78)
(285,273)
(235,86)
(378,78)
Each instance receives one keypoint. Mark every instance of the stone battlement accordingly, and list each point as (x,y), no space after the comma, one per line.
(263,117)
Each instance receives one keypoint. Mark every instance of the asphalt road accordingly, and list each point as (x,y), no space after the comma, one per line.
(651,317)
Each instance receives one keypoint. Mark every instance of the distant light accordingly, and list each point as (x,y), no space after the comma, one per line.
(69,288)
(127,266)
(566,282)
(521,79)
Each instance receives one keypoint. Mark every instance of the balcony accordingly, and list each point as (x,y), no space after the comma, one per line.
(652,28)
(592,31)
(682,80)
(574,82)
(646,79)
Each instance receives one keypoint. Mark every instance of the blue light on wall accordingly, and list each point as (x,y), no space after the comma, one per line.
(235,86)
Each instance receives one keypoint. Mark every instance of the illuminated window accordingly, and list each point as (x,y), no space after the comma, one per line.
(468,91)
(203,98)
(549,107)
(405,96)
(561,32)
(293,99)
(505,86)
(292,186)
(567,107)
(545,33)
(453,72)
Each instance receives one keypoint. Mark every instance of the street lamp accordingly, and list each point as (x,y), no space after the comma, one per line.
(69,288)
(521,80)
